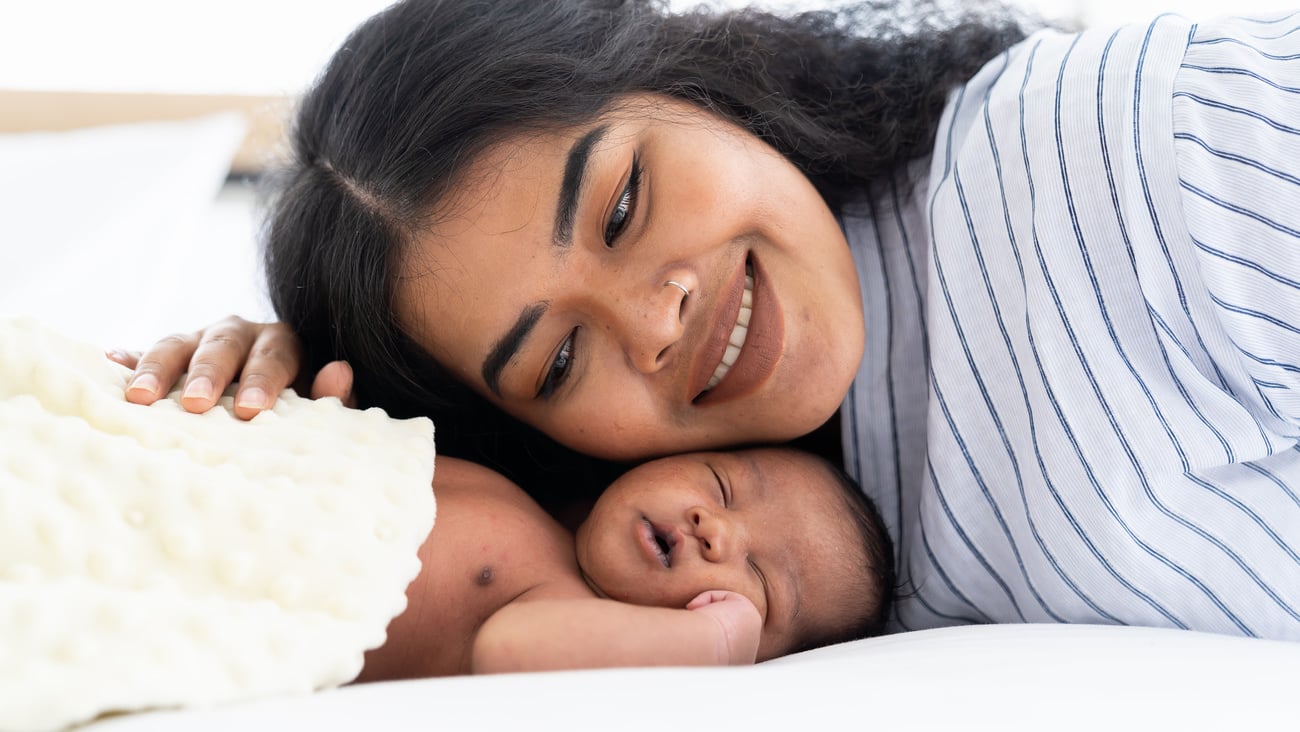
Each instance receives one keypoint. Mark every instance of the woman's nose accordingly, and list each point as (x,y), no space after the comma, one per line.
(654,321)
(713,533)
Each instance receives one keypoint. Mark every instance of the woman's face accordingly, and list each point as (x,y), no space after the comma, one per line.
(771,525)
(544,284)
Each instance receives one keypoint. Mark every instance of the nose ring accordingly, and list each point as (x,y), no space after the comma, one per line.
(679,286)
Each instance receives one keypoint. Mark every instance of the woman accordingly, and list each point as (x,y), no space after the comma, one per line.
(1061,347)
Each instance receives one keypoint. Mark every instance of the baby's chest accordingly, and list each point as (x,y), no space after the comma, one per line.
(472,572)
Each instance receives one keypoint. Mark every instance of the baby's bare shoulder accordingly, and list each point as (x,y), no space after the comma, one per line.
(490,546)
(489,525)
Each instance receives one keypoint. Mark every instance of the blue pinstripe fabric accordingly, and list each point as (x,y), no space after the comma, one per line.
(1101,267)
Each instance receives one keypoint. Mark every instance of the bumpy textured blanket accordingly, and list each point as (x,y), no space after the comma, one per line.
(154,558)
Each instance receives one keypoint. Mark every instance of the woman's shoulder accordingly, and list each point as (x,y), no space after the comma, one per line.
(1026,103)
(1052,63)
(1142,34)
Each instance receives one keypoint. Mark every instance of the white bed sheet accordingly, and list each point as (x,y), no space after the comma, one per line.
(1026,677)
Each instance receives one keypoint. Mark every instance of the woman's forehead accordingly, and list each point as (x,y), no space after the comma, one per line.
(501,213)
(545,149)
(479,228)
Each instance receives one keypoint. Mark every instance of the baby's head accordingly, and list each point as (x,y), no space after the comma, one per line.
(782,527)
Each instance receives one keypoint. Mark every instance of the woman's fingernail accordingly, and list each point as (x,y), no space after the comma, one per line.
(199,388)
(252,398)
(145,382)
(115,354)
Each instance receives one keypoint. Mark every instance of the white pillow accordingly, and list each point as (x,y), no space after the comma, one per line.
(100,227)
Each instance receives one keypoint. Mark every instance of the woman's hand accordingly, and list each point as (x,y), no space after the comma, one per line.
(263,357)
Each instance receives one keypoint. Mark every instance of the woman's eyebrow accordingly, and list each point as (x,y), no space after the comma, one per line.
(509,344)
(575,169)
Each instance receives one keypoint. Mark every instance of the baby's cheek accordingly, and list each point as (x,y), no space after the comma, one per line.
(607,578)
(751,587)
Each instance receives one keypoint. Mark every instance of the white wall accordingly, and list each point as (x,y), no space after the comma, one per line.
(276,46)
(201,46)
(1107,11)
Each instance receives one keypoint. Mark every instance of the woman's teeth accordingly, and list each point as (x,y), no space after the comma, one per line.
(738,333)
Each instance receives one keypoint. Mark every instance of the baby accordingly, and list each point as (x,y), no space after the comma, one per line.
(697,559)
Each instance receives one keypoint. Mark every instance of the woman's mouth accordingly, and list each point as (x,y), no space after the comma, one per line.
(738,332)
(745,346)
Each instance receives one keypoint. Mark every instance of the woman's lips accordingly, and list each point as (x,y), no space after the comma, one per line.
(714,347)
(761,349)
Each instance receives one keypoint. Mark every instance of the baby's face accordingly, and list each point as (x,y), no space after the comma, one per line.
(768,524)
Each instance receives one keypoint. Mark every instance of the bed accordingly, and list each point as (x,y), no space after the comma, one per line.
(119,235)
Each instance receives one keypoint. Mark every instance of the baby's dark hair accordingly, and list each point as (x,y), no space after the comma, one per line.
(877,548)
(418,92)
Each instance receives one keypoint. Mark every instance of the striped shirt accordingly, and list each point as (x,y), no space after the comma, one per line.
(1100,265)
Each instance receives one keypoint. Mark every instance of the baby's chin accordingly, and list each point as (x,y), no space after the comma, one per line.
(591,583)
(582,536)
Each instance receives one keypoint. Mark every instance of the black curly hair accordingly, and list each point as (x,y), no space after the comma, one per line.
(421,89)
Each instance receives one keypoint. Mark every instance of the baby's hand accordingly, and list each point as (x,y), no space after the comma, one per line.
(740,622)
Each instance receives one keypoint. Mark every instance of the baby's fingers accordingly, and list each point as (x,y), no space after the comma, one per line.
(737,618)
(708,597)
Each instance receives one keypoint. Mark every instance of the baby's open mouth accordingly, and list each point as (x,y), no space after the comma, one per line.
(660,542)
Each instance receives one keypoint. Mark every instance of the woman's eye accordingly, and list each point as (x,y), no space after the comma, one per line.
(626,206)
(560,366)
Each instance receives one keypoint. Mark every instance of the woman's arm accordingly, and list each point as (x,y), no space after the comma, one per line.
(716,628)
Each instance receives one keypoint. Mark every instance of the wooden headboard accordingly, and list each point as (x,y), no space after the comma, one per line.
(26,111)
